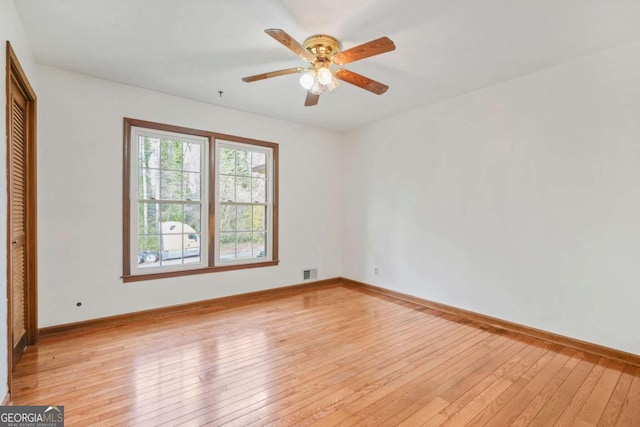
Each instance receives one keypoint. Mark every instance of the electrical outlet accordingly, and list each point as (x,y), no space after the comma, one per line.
(376,271)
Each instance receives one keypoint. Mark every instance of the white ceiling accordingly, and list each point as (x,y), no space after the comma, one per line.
(195,48)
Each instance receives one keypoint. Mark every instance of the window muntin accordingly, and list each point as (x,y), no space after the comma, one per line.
(170,211)
(244,193)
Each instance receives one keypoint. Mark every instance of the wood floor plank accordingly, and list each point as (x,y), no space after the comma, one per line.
(614,405)
(183,404)
(377,411)
(556,404)
(520,375)
(541,398)
(448,385)
(242,368)
(453,358)
(597,401)
(518,404)
(371,380)
(323,355)
(630,411)
(332,355)
(464,400)
(317,375)
(580,397)
(165,351)
(481,400)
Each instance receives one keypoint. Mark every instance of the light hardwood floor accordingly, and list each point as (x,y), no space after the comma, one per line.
(333,355)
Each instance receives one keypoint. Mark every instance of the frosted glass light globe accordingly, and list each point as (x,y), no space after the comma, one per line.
(307,80)
(332,84)
(316,88)
(324,76)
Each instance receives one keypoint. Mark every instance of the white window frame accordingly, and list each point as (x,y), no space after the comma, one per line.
(137,132)
(269,202)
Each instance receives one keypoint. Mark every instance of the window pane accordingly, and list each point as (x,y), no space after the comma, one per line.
(191,186)
(171,154)
(227,218)
(243,163)
(148,152)
(172,228)
(149,243)
(258,165)
(172,244)
(148,218)
(243,246)
(191,245)
(245,214)
(259,216)
(179,243)
(191,157)
(227,188)
(192,260)
(258,190)
(192,218)
(228,246)
(171,185)
(171,212)
(243,190)
(149,184)
(148,251)
(259,245)
(227,161)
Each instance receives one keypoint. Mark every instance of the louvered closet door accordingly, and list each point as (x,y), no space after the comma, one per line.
(18,215)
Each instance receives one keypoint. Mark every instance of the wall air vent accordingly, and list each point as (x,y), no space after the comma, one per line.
(311,273)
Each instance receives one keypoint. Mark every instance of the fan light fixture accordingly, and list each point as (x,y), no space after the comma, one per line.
(319,80)
(322,51)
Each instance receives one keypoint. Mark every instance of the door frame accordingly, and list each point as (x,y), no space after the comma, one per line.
(15,72)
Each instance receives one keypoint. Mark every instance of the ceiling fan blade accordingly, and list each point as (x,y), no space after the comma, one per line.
(290,43)
(361,81)
(374,47)
(272,74)
(311,99)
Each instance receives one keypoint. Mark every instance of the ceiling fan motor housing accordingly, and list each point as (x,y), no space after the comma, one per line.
(322,46)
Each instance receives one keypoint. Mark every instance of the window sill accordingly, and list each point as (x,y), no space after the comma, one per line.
(206,270)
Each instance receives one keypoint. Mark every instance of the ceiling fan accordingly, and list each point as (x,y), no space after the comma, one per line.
(321,52)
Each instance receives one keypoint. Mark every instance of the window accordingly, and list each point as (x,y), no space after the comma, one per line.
(169,209)
(243,202)
(196,202)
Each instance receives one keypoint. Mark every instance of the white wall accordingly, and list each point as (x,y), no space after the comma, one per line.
(520,201)
(10,29)
(80,198)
